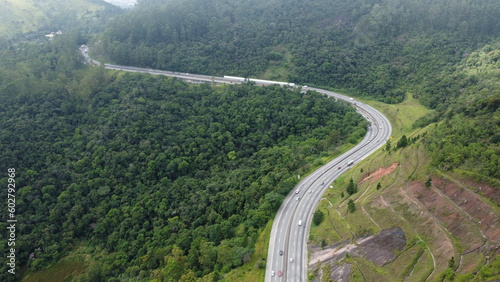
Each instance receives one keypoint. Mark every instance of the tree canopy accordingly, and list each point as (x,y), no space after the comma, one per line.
(163,178)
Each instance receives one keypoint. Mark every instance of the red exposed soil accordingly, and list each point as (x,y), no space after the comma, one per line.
(484,189)
(473,205)
(426,223)
(450,217)
(461,211)
(374,175)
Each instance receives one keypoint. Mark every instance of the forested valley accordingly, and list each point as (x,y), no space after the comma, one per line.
(141,168)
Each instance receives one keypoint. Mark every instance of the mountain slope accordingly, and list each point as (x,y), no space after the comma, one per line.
(22,16)
(135,175)
(374,48)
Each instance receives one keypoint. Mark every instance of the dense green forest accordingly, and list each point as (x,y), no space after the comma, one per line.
(144,168)
(373,48)
(468,134)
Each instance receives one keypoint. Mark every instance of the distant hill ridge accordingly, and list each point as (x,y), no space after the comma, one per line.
(22,16)
(376,48)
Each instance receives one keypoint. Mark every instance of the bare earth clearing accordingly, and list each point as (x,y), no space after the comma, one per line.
(373,176)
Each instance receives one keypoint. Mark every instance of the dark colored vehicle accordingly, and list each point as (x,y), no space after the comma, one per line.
(281,252)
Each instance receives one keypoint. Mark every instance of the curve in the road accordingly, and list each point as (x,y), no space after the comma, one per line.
(288,236)
(285,224)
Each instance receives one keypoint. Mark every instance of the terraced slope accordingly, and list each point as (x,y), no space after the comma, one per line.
(451,225)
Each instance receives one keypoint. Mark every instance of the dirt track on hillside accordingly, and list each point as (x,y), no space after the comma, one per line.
(374,175)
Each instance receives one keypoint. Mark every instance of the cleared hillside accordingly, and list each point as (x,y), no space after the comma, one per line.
(436,184)
(450,223)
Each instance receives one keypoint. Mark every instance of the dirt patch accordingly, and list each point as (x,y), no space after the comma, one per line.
(378,249)
(473,205)
(481,188)
(424,224)
(448,215)
(339,272)
(374,175)
(461,208)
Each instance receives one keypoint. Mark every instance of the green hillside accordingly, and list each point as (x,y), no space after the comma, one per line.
(437,62)
(445,55)
(377,49)
(23,16)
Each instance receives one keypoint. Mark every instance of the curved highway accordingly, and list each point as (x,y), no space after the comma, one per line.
(287,253)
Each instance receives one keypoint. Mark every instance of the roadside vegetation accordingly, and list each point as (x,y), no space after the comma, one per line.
(446,238)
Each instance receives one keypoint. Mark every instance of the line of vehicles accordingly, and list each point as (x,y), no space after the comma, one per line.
(300,222)
(280,273)
(291,212)
(258,81)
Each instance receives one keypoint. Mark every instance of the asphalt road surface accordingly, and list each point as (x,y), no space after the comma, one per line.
(290,229)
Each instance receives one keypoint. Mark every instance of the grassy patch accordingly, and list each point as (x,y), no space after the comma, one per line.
(410,264)
(402,115)
(473,262)
(423,267)
(356,274)
(64,270)
(276,73)
(404,260)
(371,271)
(490,272)
(360,224)
(331,230)
(279,69)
